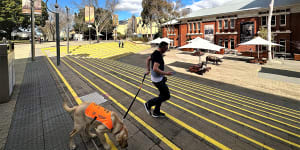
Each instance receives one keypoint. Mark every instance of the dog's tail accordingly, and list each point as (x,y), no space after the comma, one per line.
(67,108)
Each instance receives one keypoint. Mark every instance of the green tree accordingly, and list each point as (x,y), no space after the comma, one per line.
(80,26)
(263,33)
(11,16)
(159,11)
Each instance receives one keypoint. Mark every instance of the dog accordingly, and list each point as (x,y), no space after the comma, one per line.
(213,59)
(84,123)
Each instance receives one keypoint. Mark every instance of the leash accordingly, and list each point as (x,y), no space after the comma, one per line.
(135,97)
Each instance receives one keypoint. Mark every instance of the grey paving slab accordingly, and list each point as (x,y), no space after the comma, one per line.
(39,121)
(93,97)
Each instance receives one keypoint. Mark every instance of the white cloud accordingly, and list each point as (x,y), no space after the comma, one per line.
(206,4)
(133,6)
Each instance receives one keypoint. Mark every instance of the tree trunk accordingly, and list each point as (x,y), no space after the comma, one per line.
(269,30)
(97,33)
(151,31)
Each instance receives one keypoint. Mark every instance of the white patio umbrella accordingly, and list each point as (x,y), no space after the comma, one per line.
(197,38)
(259,41)
(166,40)
(156,41)
(199,43)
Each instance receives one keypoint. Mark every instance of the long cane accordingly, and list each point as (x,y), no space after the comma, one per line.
(135,96)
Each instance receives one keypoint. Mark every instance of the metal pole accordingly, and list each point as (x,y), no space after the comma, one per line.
(106,34)
(57,35)
(32,31)
(67,29)
(90,21)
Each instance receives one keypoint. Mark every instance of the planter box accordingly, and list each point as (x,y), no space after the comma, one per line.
(297,57)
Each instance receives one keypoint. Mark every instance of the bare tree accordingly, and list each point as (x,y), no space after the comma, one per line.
(49,28)
(159,11)
(103,16)
(269,30)
(172,11)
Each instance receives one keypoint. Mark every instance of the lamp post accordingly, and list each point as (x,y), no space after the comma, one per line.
(57,32)
(32,31)
(89,21)
(67,29)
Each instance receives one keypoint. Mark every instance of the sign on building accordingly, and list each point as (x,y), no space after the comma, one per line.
(209,32)
(115,20)
(89,14)
(26,7)
(247,31)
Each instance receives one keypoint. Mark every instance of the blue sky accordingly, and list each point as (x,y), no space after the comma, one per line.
(126,8)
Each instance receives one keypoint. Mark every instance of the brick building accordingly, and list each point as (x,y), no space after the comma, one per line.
(239,21)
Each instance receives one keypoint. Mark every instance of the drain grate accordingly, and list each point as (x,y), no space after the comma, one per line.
(94,97)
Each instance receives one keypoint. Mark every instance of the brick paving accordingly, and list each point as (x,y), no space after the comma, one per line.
(39,122)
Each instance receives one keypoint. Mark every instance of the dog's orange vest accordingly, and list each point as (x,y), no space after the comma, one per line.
(103,115)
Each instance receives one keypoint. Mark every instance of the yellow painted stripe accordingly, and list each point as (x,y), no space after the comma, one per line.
(200,134)
(193,113)
(185,88)
(209,89)
(223,107)
(274,109)
(77,99)
(156,133)
(274,136)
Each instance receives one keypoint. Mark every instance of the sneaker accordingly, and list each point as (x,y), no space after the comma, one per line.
(148,109)
(156,115)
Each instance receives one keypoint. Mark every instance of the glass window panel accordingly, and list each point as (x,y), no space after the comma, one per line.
(232,44)
(225,24)
(282,19)
(282,48)
(220,42)
(273,22)
(264,20)
(226,43)
(232,23)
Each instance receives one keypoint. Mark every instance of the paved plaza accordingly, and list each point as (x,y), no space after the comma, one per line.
(202,113)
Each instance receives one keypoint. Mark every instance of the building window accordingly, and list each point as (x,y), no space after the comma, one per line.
(220,24)
(273,22)
(220,42)
(226,43)
(283,47)
(173,29)
(195,27)
(199,26)
(190,28)
(225,24)
(264,20)
(232,23)
(282,19)
(231,43)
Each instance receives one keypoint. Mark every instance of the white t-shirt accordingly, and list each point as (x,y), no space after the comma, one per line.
(155,77)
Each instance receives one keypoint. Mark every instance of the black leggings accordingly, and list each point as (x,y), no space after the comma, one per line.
(164,95)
